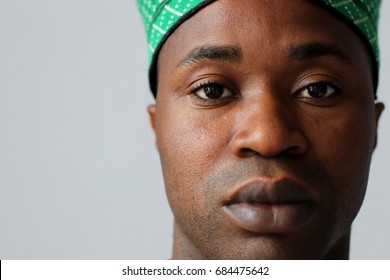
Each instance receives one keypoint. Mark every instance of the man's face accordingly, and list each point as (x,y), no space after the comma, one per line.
(265,123)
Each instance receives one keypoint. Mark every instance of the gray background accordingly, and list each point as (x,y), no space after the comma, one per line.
(79,174)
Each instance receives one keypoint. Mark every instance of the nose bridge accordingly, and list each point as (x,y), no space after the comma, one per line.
(268,116)
(266,125)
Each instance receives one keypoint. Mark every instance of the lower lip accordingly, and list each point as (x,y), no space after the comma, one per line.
(270,218)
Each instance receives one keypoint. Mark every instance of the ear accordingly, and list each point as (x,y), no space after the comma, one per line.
(379,107)
(152,116)
(152,119)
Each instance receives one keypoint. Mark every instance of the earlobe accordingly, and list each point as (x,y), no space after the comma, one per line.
(379,107)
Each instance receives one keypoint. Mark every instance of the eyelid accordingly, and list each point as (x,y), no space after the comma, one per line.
(326,101)
(328,84)
(203,96)
(200,85)
(312,78)
(213,79)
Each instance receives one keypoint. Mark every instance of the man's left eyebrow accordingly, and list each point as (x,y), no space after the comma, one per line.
(316,50)
(222,53)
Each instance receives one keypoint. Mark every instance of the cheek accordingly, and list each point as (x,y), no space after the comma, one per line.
(187,146)
(344,144)
(190,147)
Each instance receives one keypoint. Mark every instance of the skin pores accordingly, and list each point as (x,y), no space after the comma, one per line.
(265,124)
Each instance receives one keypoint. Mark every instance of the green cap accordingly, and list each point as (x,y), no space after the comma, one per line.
(162,17)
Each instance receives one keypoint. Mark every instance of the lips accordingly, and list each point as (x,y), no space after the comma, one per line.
(270,207)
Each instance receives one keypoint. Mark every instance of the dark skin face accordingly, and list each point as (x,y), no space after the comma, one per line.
(265,125)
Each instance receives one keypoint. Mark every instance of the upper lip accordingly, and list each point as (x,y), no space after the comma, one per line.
(265,191)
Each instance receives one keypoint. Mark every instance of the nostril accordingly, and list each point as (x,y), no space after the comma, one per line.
(292,150)
(268,138)
(246,152)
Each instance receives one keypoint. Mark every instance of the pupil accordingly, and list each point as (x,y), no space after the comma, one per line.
(213,91)
(318,90)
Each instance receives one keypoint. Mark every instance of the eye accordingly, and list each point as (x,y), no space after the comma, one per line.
(212,91)
(318,90)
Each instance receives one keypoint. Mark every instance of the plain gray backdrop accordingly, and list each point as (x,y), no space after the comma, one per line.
(79,174)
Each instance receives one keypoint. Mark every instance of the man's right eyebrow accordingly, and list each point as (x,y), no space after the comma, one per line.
(212,52)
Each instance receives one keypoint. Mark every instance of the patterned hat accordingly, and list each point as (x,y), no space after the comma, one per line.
(162,17)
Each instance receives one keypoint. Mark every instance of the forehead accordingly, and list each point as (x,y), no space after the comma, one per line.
(260,26)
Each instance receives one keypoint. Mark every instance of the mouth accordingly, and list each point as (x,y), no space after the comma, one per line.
(270,207)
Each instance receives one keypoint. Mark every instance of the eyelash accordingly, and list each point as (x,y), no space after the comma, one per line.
(199,93)
(336,89)
(203,84)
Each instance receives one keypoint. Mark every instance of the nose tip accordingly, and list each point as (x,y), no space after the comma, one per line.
(269,132)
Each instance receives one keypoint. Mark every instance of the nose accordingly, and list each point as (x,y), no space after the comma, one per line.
(269,127)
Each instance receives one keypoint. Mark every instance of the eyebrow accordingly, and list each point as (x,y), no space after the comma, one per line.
(316,50)
(226,53)
(223,53)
